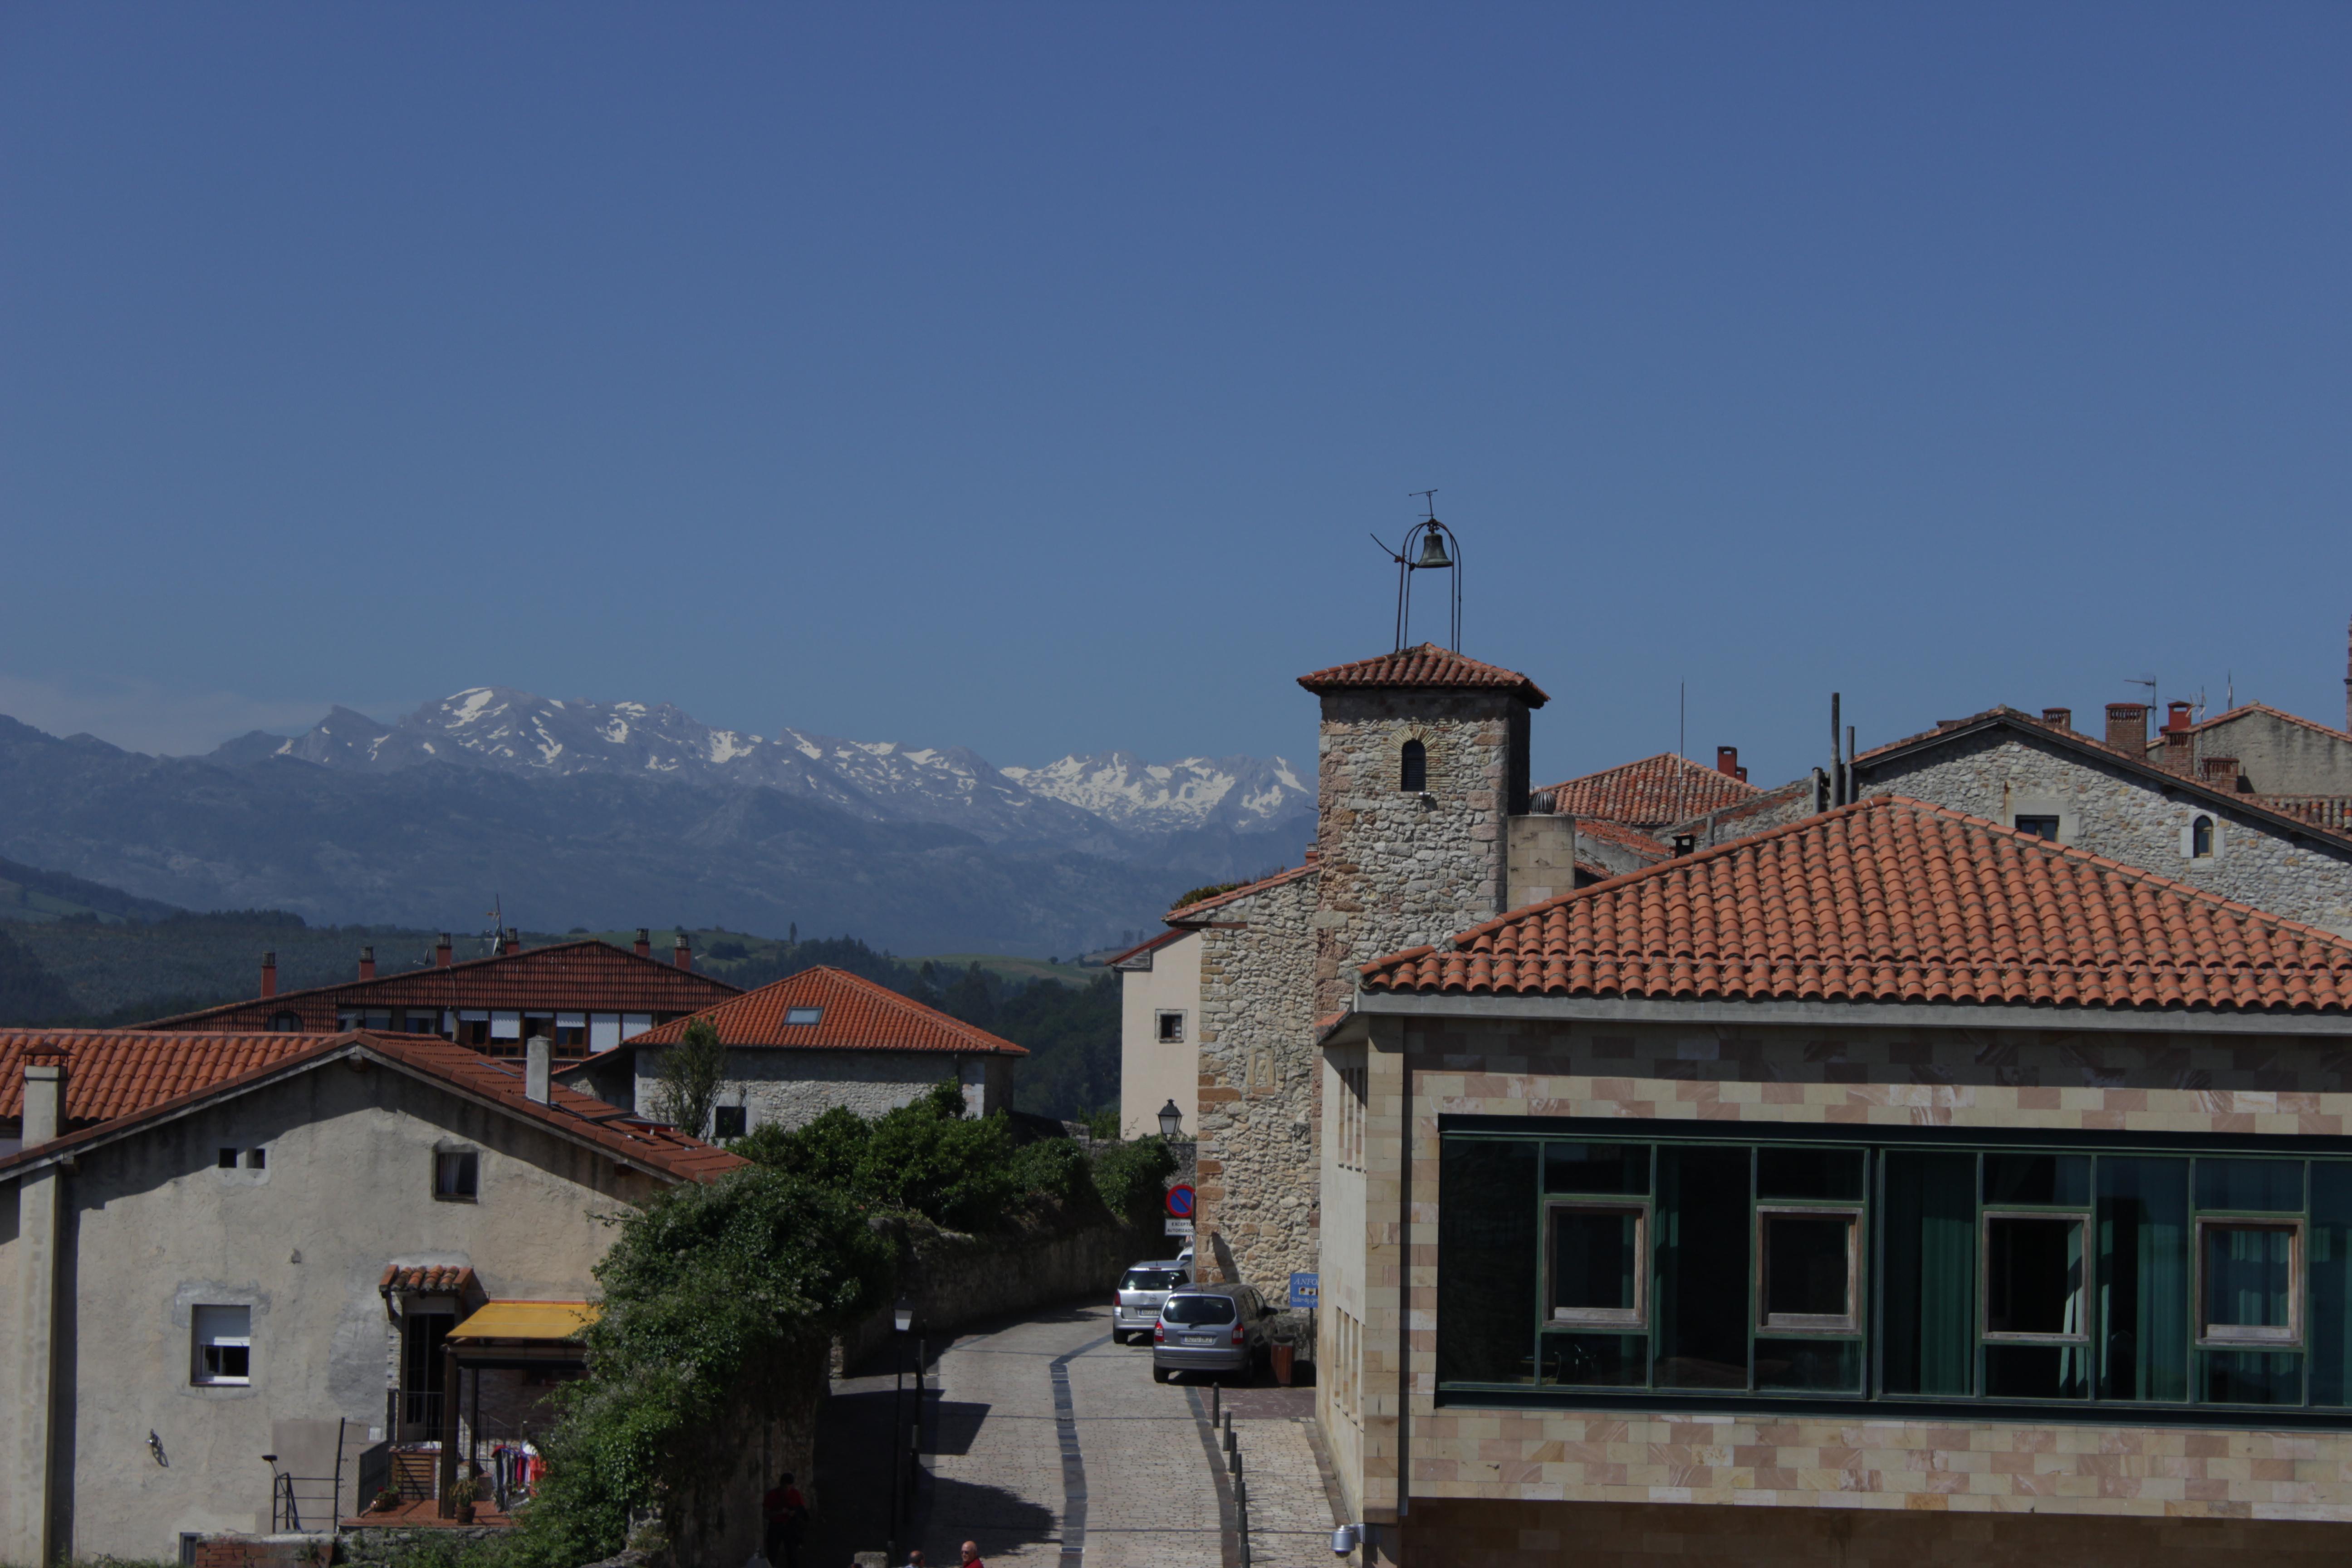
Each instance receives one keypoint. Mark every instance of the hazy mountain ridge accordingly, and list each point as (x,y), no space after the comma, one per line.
(1107,804)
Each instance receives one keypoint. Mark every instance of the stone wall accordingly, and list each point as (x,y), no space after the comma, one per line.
(2109,812)
(1605,1535)
(2275,755)
(792,1087)
(1401,869)
(1259,1082)
(1791,802)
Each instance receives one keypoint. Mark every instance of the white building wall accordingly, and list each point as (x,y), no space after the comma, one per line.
(790,1087)
(1151,1074)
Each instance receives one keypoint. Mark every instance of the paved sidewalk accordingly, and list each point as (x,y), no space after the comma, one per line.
(1050,1446)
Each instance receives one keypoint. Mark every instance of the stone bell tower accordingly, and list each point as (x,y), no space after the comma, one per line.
(1423,763)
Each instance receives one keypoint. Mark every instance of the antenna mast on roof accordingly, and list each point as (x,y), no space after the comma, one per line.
(1434,556)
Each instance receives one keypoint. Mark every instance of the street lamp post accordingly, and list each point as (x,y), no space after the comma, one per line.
(902,1318)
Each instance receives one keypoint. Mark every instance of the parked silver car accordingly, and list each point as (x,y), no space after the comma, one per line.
(1211,1328)
(1136,1306)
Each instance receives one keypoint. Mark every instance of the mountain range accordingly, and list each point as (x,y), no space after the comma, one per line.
(620,813)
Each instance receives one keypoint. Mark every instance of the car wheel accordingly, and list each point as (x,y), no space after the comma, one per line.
(1159,1375)
(1118,1337)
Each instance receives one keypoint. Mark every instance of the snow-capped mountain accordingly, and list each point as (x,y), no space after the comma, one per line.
(1110,803)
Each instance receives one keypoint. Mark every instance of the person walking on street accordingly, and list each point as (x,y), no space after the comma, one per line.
(783,1510)
(971,1556)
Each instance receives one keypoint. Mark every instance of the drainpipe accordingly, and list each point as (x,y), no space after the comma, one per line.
(40,1208)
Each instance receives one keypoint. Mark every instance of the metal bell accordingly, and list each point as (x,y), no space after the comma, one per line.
(1433,550)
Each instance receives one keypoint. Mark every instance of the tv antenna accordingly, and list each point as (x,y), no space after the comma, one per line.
(1438,550)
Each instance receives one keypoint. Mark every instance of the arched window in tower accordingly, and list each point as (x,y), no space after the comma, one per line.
(2201,837)
(1414,774)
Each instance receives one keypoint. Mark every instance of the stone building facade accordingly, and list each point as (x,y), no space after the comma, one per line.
(2005,767)
(1642,1081)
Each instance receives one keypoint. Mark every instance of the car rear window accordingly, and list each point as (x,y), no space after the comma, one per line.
(1151,1279)
(1198,1309)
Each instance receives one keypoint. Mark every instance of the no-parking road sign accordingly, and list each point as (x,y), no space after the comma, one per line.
(1180,1202)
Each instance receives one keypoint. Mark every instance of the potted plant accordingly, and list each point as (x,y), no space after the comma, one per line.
(385,1500)
(461,1499)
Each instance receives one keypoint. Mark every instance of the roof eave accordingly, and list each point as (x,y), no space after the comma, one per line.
(1865,1014)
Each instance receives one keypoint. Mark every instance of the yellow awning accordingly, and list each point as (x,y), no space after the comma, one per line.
(554,1320)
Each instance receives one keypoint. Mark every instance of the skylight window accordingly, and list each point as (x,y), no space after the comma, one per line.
(803,1015)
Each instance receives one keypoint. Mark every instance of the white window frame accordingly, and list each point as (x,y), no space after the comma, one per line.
(203,1336)
(1619,1319)
(2252,1336)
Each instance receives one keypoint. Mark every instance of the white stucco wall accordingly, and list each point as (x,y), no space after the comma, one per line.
(1151,1074)
(157,1230)
(791,1087)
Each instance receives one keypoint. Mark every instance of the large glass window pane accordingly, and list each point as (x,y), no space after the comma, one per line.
(2253,1377)
(1596,1265)
(2263,1184)
(2062,1179)
(2329,1332)
(1930,1270)
(1486,1261)
(2035,1371)
(2143,1220)
(1596,1361)
(2033,1276)
(1830,1173)
(1810,1268)
(1703,1268)
(2250,1286)
(1597,1168)
(1819,1366)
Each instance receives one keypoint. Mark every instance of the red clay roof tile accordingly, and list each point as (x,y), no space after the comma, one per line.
(1426,665)
(1894,900)
(1653,793)
(120,1072)
(854,1015)
(437,1278)
(570,975)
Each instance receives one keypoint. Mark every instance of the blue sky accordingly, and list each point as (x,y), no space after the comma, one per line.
(1029,377)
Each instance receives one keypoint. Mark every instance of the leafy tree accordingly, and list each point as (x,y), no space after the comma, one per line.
(1132,1178)
(688,1079)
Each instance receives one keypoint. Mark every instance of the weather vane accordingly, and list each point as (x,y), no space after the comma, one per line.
(1435,556)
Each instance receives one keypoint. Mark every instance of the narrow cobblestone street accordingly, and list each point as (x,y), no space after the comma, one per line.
(1048,1444)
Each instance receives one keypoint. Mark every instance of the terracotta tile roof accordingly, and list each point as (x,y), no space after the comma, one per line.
(1894,900)
(498,1084)
(1194,911)
(1153,945)
(1426,665)
(1631,839)
(855,1015)
(584,976)
(120,1072)
(440,1280)
(1653,793)
(2243,710)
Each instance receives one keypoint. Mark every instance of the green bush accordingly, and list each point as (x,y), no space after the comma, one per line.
(1054,1168)
(1133,1179)
(927,1158)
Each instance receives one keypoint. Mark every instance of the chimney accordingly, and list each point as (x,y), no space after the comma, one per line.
(684,955)
(367,964)
(511,943)
(644,942)
(1726,761)
(442,953)
(2177,716)
(2128,727)
(537,1053)
(2221,772)
(2058,718)
(268,975)
(44,1093)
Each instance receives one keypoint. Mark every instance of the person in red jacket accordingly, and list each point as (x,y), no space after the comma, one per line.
(971,1556)
(783,1509)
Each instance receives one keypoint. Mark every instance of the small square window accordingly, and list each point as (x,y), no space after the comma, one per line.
(1812,1268)
(2249,1286)
(224,1345)
(256,1159)
(803,1015)
(2034,1277)
(728,1122)
(2038,827)
(226,1159)
(1598,1268)
(457,1174)
(1172,1028)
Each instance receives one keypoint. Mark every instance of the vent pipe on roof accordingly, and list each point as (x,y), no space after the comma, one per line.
(683,955)
(44,1093)
(1837,764)
(268,975)
(367,964)
(442,952)
(644,942)
(538,1054)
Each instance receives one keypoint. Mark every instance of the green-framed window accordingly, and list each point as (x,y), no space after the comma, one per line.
(1575,1261)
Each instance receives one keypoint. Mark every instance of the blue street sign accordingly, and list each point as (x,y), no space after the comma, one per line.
(1180,1202)
(1304,1290)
